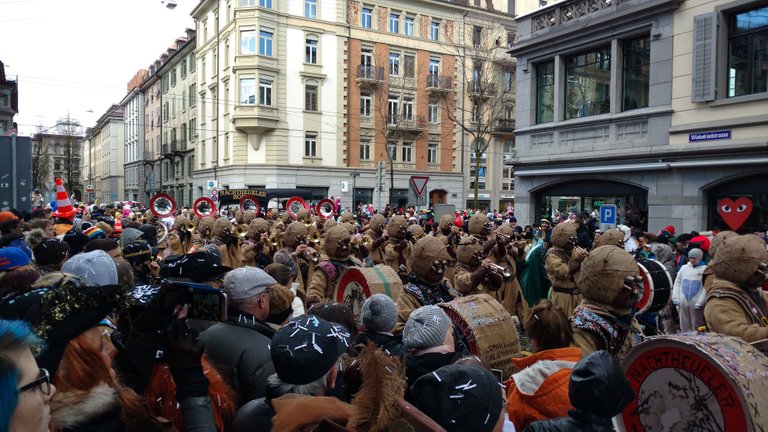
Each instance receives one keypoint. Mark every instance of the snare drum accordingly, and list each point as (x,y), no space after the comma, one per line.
(657,286)
(705,382)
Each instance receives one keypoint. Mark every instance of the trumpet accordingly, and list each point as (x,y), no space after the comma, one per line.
(274,241)
(311,255)
(315,237)
(241,230)
(188,227)
(366,241)
(308,222)
(506,272)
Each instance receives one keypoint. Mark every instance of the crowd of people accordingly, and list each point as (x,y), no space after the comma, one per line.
(119,319)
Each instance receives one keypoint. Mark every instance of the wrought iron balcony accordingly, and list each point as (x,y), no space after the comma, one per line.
(369,75)
(481,89)
(505,125)
(439,83)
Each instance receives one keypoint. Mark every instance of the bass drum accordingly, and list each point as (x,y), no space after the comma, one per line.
(702,382)
(657,286)
(483,328)
(358,283)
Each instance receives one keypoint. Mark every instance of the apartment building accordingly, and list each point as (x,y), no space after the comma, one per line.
(639,103)
(151,88)
(133,112)
(57,155)
(105,144)
(9,102)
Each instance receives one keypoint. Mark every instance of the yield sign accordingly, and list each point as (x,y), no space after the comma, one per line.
(419,184)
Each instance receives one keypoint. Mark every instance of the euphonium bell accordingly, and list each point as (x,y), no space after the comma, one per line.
(308,223)
(274,241)
(188,227)
(314,237)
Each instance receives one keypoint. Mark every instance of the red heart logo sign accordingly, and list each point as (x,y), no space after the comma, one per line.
(735,213)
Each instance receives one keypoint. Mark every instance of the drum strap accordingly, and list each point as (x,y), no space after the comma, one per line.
(571,291)
(384,281)
(427,295)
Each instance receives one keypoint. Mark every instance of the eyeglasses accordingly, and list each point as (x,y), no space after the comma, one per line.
(43,383)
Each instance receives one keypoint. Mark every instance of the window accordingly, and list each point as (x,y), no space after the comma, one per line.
(192,130)
(192,63)
(366,17)
(747,52)
(310,9)
(248,91)
(265,43)
(477,34)
(310,55)
(265,91)
(392,109)
(434,30)
(183,134)
(247,42)
(366,57)
(244,3)
(310,96)
(165,112)
(366,101)
(394,63)
(192,98)
(432,153)
(434,66)
(475,112)
(409,21)
(265,3)
(434,111)
(545,92)
(409,69)
(508,82)
(508,179)
(394,22)
(636,74)
(408,108)
(183,68)
(588,83)
(365,149)
(173,77)
(166,80)
(407,151)
(310,144)
(392,150)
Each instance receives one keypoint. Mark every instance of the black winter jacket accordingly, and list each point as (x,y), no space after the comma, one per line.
(575,422)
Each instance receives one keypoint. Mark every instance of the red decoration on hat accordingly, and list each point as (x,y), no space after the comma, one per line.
(64,207)
(118,223)
(735,213)
(670,229)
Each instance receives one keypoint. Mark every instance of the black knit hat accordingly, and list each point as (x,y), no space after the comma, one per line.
(460,398)
(76,240)
(137,252)
(198,266)
(50,251)
(306,348)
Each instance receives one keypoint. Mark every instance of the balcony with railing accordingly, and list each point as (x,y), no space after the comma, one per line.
(481,89)
(369,75)
(406,125)
(504,125)
(439,84)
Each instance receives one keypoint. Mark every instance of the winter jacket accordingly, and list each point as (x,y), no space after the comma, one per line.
(239,347)
(688,286)
(391,344)
(416,366)
(540,390)
(731,311)
(255,416)
(599,390)
(17,242)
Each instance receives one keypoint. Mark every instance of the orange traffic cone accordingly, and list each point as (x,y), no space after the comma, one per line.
(118,223)
(64,209)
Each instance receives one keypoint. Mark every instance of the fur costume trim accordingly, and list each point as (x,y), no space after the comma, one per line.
(75,408)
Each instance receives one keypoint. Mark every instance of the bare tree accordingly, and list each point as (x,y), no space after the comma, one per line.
(71,131)
(484,77)
(41,165)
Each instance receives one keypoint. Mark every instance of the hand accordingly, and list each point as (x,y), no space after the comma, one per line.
(154,269)
(300,249)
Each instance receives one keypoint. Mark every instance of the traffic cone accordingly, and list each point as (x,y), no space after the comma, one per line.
(118,223)
(64,209)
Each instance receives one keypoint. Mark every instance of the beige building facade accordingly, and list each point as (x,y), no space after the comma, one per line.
(105,144)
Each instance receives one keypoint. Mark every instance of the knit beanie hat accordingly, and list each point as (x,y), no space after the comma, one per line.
(96,267)
(12,257)
(426,327)
(460,398)
(6,215)
(76,241)
(94,232)
(50,251)
(738,258)
(379,313)
(695,253)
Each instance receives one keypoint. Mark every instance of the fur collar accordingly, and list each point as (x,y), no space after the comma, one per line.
(76,408)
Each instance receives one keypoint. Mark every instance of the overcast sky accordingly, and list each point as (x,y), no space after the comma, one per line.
(78,55)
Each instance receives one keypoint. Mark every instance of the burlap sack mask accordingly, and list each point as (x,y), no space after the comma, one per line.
(220,227)
(179,222)
(150,217)
(378,222)
(465,253)
(294,230)
(256,226)
(603,274)
(506,229)
(611,237)
(302,215)
(416,231)
(239,216)
(205,226)
(562,233)
(396,226)
(445,222)
(477,222)
(332,238)
(249,216)
(330,223)
(738,258)
(718,240)
(424,253)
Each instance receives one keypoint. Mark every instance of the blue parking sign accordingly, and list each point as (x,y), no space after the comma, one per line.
(608,214)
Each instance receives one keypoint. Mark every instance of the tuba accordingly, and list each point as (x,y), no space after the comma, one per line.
(203,207)
(162,205)
(293,205)
(326,208)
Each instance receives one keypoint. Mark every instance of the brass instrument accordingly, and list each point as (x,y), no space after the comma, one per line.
(506,272)
(188,227)
(315,237)
(240,231)
(311,255)
(367,242)
(274,241)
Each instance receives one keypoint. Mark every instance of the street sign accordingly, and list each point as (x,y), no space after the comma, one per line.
(345,186)
(608,214)
(212,184)
(214,194)
(419,184)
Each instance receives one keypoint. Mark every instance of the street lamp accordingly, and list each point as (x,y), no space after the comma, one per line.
(354,175)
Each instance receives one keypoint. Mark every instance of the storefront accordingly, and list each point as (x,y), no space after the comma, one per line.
(739,204)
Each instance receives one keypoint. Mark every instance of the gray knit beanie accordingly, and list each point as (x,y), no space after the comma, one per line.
(379,313)
(427,327)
